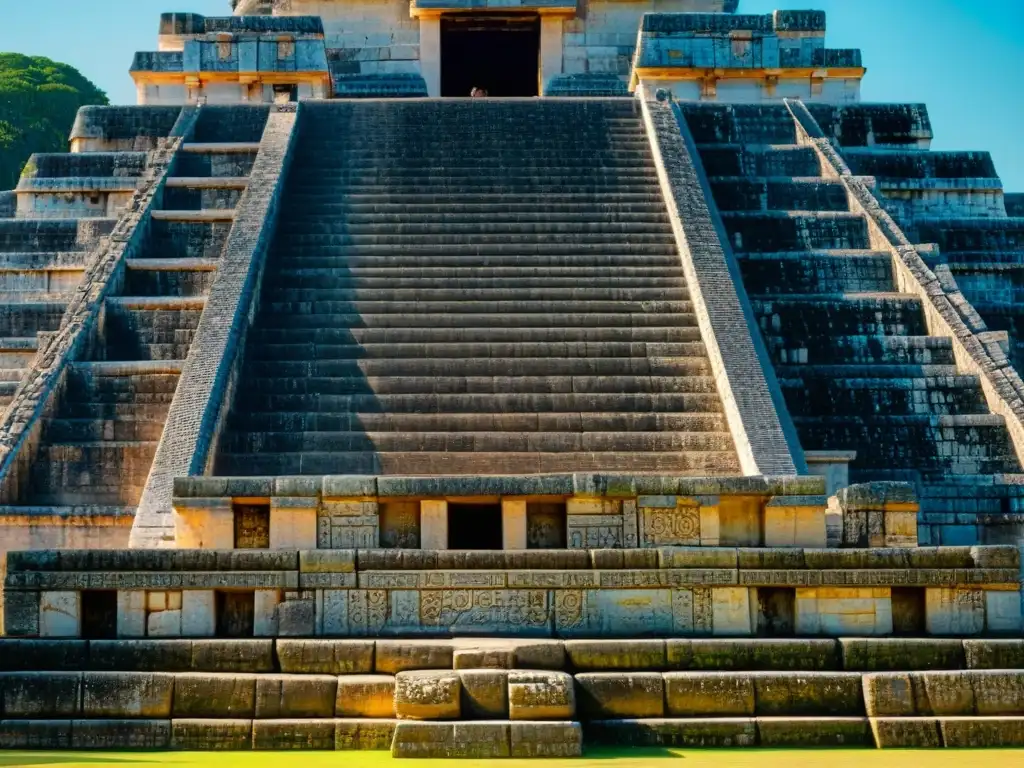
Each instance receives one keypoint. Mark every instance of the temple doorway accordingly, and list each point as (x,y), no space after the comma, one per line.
(500,54)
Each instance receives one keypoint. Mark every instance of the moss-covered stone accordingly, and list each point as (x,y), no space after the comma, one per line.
(716,732)
(229,697)
(327,657)
(797,694)
(294,696)
(807,732)
(994,654)
(978,732)
(427,695)
(233,655)
(709,694)
(127,694)
(883,654)
(205,734)
(293,734)
(602,655)
(615,695)
(906,732)
(371,696)
(751,654)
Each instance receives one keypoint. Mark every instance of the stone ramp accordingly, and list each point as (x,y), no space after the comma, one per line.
(502,293)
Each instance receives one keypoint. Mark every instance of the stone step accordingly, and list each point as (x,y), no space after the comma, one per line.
(203,198)
(457,230)
(216,165)
(753,160)
(428,295)
(480,350)
(356,422)
(818,317)
(541,254)
(454,218)
(105,472)
(207,182)
(763,123)
(795,230)
(28,318)
(937,373)
(433,279)
(66,430)
(955,396)
(441,200)
(19,235)
(509,239)
(625,151)
(410,385)
(169,277)
(861,350)
(187,239)
(484,442)
(474,367)
(369,462)
(542,332)
(738,193)
(830,271)
(503,403)
(278,317)
(507,305)
(108,411)
(208,215)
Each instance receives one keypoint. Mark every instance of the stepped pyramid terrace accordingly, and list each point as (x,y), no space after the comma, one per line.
(669,395)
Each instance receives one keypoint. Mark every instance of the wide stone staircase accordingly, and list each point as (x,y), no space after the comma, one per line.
(97,446)
(853,355)
(485,288)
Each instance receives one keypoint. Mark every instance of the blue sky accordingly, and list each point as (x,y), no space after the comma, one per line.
(963,58)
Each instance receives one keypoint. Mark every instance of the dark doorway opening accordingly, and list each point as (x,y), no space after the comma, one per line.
(908,611)
(500,54)
(474,526)
(776,611)
(236,614)
(545,525)
(99,614)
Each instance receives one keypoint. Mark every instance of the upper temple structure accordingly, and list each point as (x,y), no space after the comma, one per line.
(660,393)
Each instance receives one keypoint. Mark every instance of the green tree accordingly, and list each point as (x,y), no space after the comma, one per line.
(38,102)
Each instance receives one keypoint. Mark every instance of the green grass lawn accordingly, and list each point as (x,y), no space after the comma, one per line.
(622,758)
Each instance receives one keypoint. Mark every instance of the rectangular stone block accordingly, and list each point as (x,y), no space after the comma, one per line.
(296,618)
(997,692)
(427,695)
(482,740)
(294,734)
(292,527)
(600,655)
(546,739)
(198,613)
(364,734)
(793,522)
(233,655)
(541,695)
(330,657)
(982,732)
(127,694)
(810,732)
(35,734)
(139,655)
(994,654)
(690,732)
(53,655)
(164,624)
(753,654)
(513,524)
(808,694)
(906,732)
(206,734)
(286,697)
(365,696)
(883,654)
(619,695)
(433,524)
(265,602)
(21,613)
(225,696)
(709,694)
(1003,612)
(953,611)
(843,610)
(41,695)
(484,694)
(394,656)
(731,611)
(59,614)
(117,735)
(131,613)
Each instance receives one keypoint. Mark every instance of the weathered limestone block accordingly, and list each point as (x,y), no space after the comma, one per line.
(882,654)
(293,734)
(843,610)
(293,696)
(21,613)
(739,521)
(55,655)
(954,611)
(293,522)
(265,602)
(204,524)
(542,654)
(296,618)
(731,611)
(59,614)
(369,696)
(484,694)
(808,694)
(198,613)
(1003,611)
(120,734)
(233,655)
(715,732)
(201,735)
(906,732)
(364,734)
(541,695)
(675,524)
(889,695)
(461,739)
(41,695)
(600,655)
(513,524)
(795,521)
(994,654)
(483,658)
(35,734)
(140,655)
(227,696)
(766,653)
(908,694)
(329,657)
(127,694)
(427,695)
(620,694)
(997,692)
(813,732)
(433,524)
(131,613)
(709,694)
(558,739)
(397,656)
(164,624)
(981,732)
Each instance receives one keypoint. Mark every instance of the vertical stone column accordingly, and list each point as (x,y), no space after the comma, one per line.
(433,524)
(550,50)
(513,524)
(430,54)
